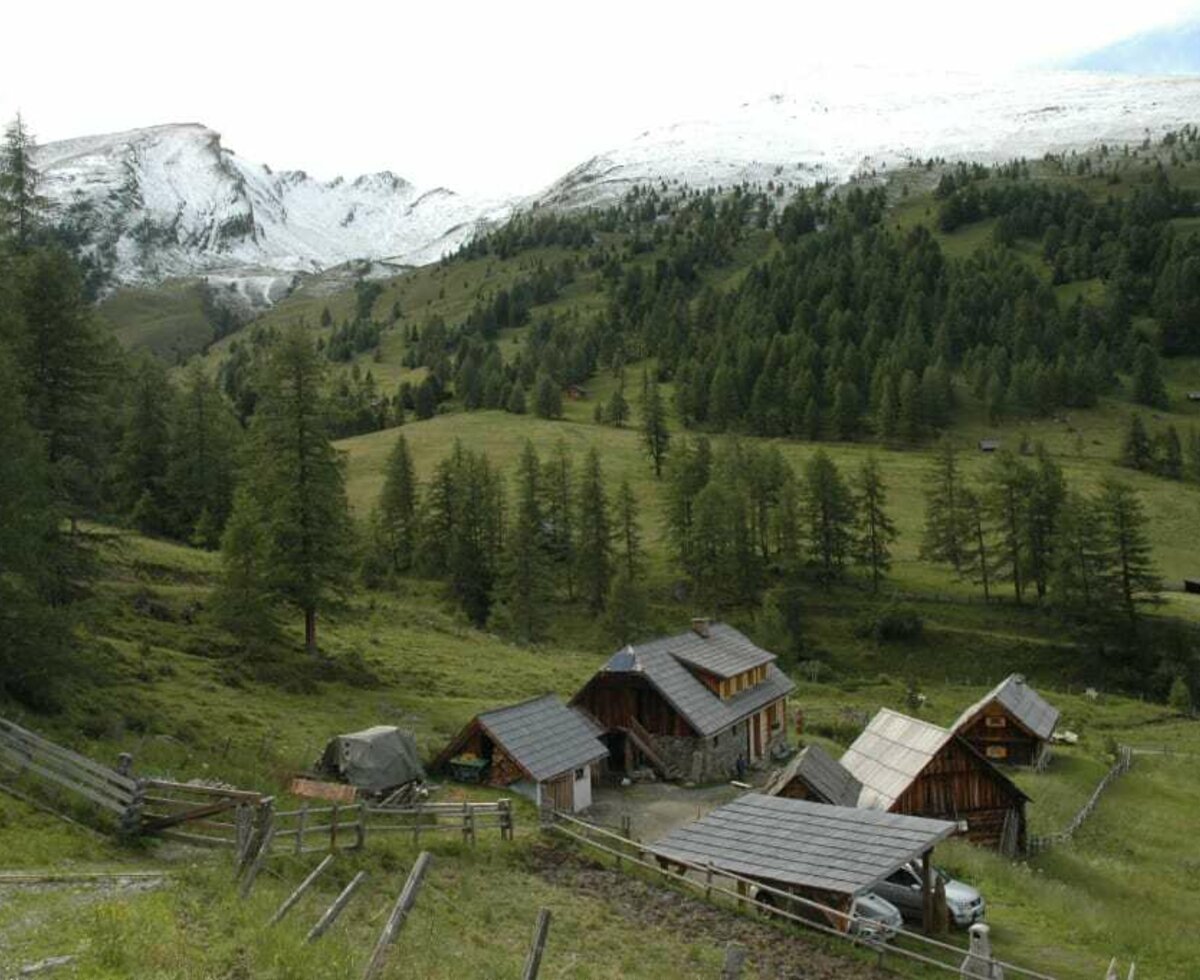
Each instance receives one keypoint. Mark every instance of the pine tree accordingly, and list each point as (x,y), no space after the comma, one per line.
(947,532)
(243,601)
(1136,451)
(595,544)
(875,530)
(396,512)
(143,455)
(618,408)
(687,475)
(1009,484)
(1129,567)
(655,435)
(547,398)
(829,515)
(526,576)
(1079,554)
(295,481)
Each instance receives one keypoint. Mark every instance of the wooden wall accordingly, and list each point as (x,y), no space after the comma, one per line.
(958,785)
(996,734)
(612,699)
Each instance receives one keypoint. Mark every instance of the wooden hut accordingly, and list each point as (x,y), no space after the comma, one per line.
(816,775)
(825,854)
(1012,723)
(989,445)
(700,706)
(541,748)
(910,766)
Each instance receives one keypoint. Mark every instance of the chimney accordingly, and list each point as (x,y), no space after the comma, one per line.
(700,626)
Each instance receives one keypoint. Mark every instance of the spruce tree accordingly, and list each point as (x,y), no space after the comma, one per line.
(244,602)
(1136,451)
(1129,566)
(829,516)
(547,398)
(629,534)
(595,540)
(874,529)
(1148,386)
(396,511)
(144,453)
(617,413)
(296,484)
(655,436)
(21,206)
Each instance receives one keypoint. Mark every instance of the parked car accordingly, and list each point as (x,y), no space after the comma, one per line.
(903,889)
(874,916)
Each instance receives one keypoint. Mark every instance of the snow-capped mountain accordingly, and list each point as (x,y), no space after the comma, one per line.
(841,125)
(172,201)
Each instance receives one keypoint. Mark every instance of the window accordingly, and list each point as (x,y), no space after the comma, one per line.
(579,774)
(997,752)
(716,740)
(995,721)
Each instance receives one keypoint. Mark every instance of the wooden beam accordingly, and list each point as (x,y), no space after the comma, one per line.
(304,886)
(399,915)
(339,903)
(533,962)
(927,923)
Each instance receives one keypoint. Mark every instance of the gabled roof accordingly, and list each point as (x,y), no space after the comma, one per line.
(894,750)
(798,842)
(1021,701)
(543,736)
(658,662)
(822,774)
(725,652)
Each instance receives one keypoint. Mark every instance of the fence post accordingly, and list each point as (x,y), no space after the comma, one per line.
(334,910)
(533,962)
(361,840)
(395,922)
(304,886)
(301,824)
(333,828)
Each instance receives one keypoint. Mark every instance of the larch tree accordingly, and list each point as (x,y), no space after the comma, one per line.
(829,514)
(655,435)
(947,532)
(1009,485)
(526,586)
(595,541)
(1129,566)
(875,531)
(396,512)
(296,484)
(21,206)
(629,533)
(558,489)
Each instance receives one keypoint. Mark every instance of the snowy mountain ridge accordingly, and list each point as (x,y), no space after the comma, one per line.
(171,201)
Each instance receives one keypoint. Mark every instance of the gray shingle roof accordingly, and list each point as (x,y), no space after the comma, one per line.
(822,774)
(1022,702)
(725,652)
(543,736)
(658,662)
(798,842)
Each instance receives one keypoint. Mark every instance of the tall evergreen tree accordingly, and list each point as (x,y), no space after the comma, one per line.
(396,512)
(595,542)
(144,454)
(977,552)
(1148,386)
(829,514)
(296,486)
(526,580)
(874,529)
(1043,505)
(629,534)
(947,530)
(1079,554)
(655,434)
(558,486)
(21,206)
(1136,451)
(1129,566)
(1009,484)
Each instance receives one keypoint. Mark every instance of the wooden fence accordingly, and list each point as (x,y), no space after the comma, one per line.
(1037,844)
(735,892)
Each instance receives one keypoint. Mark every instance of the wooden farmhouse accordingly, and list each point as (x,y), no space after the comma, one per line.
(824,854)
(1012,723)
(813,774)
(541,748)
(699,706)
(906,765)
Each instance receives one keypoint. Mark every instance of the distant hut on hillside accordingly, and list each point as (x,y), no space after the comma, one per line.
(1012,723)
(817,776)
(910,766)
(989,445)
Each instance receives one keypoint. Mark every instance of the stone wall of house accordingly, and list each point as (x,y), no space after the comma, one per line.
(699,760)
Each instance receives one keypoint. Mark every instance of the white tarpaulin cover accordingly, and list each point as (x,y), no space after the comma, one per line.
(375,759)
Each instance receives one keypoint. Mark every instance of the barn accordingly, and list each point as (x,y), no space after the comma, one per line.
(813,774)
(1012,723)
(906,765)
(701,705)
(826,854)
(541,748)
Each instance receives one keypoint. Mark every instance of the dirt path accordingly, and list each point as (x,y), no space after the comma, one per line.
(777,954)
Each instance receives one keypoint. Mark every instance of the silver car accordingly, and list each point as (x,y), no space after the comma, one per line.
(903,889)
(874,917)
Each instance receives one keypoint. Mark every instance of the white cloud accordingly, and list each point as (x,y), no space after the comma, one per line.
(490,96)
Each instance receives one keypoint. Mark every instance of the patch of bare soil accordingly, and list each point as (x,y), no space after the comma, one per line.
(774,953)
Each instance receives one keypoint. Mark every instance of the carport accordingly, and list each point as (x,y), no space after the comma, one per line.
(823,853)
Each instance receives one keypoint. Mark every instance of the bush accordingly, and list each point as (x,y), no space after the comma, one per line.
(895,624)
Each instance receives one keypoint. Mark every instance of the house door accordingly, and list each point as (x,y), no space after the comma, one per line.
(560,793)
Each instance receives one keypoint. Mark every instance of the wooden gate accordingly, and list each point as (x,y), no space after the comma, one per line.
(559,793)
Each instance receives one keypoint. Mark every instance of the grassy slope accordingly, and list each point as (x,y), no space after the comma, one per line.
(168,320)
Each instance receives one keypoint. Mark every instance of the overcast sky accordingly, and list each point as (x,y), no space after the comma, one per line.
(497,96)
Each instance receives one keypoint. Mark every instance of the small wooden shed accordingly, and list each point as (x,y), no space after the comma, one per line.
(1012,723)
(541,748)
(814,774)
(907,765)
(826,854)
(1192,585)
(989,445)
